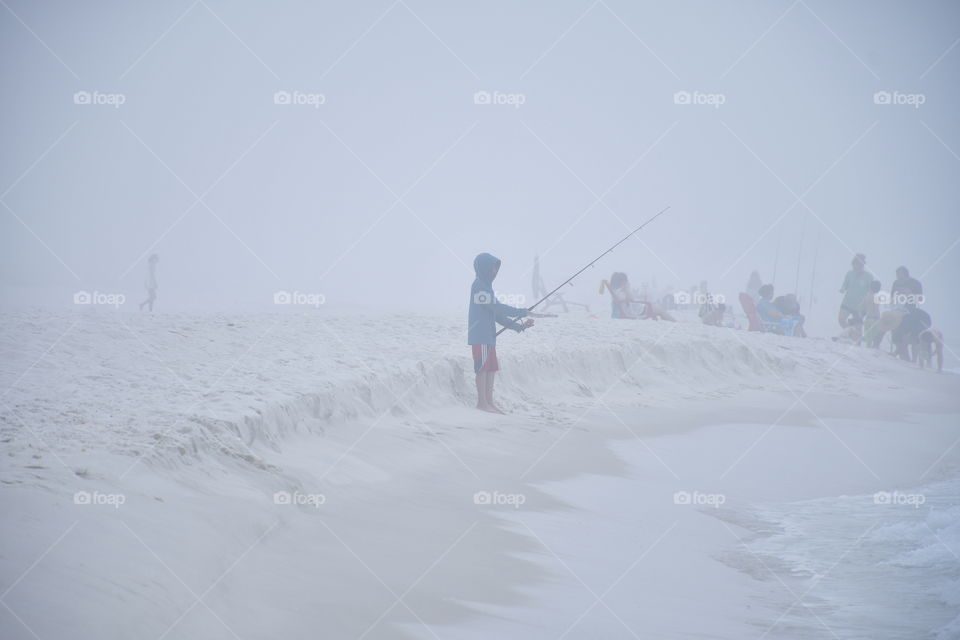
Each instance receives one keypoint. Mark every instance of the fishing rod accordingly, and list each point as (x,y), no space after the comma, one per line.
(591,263)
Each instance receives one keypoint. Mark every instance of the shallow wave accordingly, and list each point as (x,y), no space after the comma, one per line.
(879,566)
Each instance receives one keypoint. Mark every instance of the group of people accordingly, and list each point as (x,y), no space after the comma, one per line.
(864,321)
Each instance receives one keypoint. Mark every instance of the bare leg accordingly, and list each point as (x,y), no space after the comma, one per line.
(490,406)
(482,390)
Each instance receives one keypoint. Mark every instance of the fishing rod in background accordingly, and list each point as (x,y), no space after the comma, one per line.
(591,263)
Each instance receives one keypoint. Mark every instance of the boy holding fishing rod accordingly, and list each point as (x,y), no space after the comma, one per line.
(485,313)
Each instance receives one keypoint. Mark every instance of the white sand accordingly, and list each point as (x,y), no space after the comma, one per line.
(196,421)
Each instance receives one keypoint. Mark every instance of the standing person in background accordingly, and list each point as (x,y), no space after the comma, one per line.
(151,282)
(905,290)
(905,294)
(856,285)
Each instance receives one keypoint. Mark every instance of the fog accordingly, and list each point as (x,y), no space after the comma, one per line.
(379,174)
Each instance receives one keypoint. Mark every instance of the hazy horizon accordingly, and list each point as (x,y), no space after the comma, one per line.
(380,187)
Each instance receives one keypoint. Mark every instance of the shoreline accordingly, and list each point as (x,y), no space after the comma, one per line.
(398,531)
(508,563)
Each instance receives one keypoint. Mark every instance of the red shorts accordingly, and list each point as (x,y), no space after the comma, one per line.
(485,358)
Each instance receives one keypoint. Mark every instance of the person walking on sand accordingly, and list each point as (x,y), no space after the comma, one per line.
(484,315)
(151,283)
(856,285)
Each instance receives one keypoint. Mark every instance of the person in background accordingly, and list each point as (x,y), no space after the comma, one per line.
(931,344)
(712,313)
(151,283)
(789,307)
(906,337)
(626,304)
(905,290)
(905,294)
(855,286)
(768,311)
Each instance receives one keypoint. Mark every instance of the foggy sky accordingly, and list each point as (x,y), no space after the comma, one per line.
(381,196)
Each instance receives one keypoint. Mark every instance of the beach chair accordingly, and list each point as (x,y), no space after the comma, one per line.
(750,310)
(784,327)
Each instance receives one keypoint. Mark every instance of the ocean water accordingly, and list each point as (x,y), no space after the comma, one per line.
(875,566)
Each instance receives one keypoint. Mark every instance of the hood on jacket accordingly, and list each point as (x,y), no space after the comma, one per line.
(485,266)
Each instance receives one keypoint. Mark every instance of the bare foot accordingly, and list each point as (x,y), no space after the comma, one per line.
(489,408)
(495,409)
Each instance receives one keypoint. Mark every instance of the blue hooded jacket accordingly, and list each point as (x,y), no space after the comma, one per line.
(485,311)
